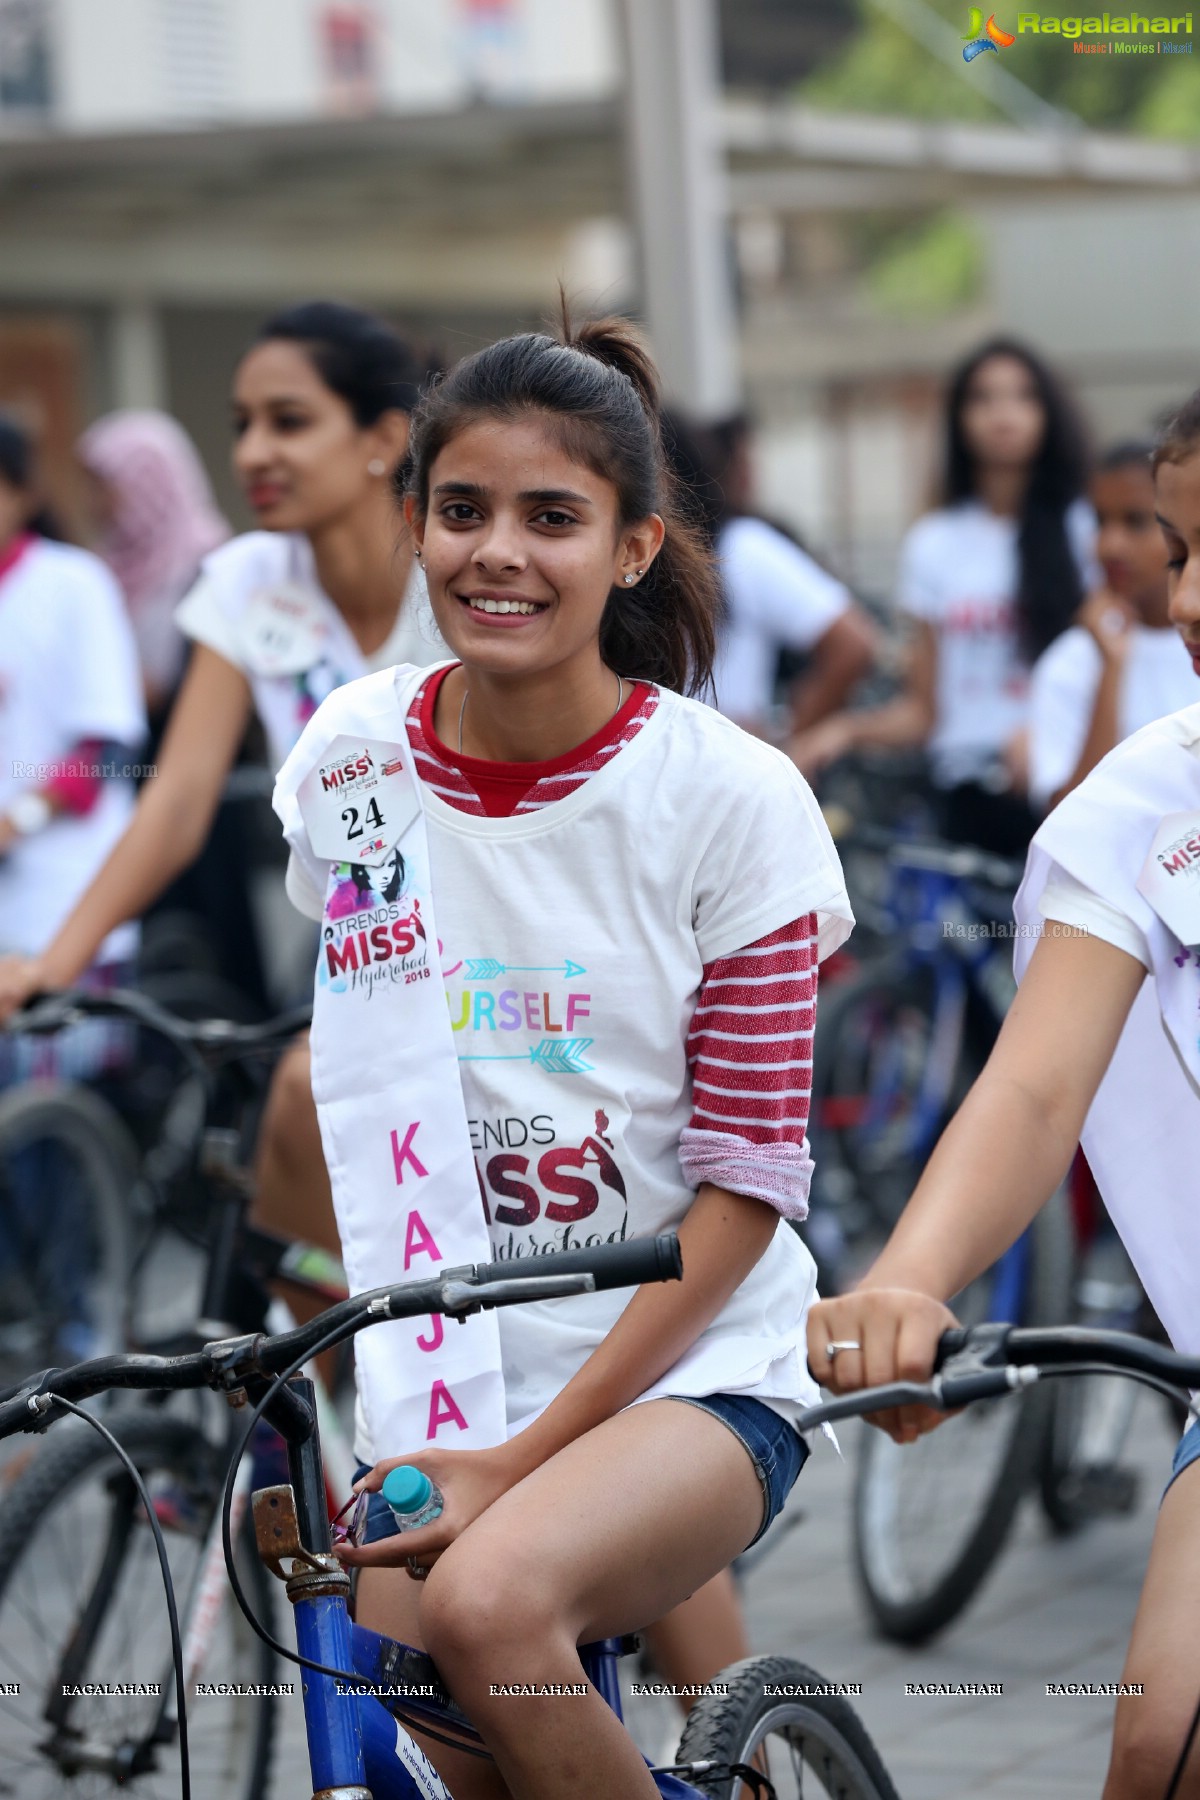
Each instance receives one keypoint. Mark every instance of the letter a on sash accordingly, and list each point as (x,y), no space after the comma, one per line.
(443,1409)
(418,1240)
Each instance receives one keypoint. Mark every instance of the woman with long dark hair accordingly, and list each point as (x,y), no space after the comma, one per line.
(989,580)
(324,591)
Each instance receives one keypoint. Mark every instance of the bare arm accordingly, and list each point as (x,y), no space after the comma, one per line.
(840,659)
(901,723)
(1001,1158)
(1108,621)
(722,1238)
(167,831)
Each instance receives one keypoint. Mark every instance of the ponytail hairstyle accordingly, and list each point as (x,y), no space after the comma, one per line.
(598,392)
(358,356)
(1049,586)
(1179,436)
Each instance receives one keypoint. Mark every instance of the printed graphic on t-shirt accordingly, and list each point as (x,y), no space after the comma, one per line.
(372,931)
(550,1178)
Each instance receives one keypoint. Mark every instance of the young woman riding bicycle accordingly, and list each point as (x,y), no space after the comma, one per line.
(671,882)
(1090,1045)
(320,593)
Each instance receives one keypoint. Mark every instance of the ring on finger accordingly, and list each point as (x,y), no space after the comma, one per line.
(831,1350)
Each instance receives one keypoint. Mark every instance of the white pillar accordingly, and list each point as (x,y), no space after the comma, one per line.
(677,177)
(139,369)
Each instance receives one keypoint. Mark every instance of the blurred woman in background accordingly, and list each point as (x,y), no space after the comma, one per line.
(775,597)
(989,580)
(157,521)
(1121,665)
(71,723)
(321,593)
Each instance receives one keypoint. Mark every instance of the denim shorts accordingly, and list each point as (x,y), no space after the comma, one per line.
(1187,1451)
(777,1452)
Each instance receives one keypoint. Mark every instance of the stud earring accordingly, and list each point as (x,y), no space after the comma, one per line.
(629,581)
(377,466)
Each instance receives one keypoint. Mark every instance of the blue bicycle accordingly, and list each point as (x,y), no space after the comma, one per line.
(898,1045)
(772,1729)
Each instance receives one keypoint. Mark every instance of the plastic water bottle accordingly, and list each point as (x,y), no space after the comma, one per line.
(413,1498)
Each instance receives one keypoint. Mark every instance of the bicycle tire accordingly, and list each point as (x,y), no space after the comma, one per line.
(49,1511)
(821,1728)
(868,1152)
(1080,1477)
(68,1167)
(909,1602)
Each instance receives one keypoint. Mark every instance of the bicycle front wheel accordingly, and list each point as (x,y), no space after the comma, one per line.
(67,1169)
(83,1612)
(931,1518)
(782,1720)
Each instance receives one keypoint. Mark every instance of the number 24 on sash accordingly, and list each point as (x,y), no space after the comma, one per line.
(374,818)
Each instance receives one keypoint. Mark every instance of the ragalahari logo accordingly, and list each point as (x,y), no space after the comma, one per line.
(984,37)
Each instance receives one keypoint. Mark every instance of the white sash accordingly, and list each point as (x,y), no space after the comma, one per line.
(385,1073)
(1142,1134)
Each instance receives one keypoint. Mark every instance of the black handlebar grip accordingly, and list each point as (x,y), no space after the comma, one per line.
(951,1343)
(613,1265)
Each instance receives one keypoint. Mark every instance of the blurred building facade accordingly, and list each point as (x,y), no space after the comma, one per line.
(171,170)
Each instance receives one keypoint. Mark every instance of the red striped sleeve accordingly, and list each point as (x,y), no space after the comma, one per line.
(751,1036)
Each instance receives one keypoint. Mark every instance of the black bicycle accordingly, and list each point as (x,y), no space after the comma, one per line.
(80,1557)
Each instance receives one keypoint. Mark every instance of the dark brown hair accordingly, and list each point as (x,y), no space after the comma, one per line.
(1049,584)
(1179,436)
(598,390)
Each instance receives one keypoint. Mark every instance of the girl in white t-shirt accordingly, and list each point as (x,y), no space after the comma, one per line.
(988,581)
(671,880)
(1111,894)
(321,593)
(1121,665)
(775,596)
(71,723)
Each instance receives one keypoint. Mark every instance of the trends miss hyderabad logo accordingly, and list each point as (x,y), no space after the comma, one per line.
(984,37)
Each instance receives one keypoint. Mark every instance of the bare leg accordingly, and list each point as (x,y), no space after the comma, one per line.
(1163,1656)
(292,1194)
(702,1636)
(623,1523)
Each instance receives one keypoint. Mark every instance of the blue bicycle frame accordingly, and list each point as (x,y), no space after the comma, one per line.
(922,900)
(358,1749)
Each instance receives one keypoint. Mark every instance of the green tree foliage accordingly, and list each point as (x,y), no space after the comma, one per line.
(885,69)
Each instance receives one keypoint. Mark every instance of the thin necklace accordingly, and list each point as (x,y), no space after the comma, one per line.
(466,695)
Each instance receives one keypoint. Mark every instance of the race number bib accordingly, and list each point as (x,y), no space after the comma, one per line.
(1170,877)
(282,631)
(358,802)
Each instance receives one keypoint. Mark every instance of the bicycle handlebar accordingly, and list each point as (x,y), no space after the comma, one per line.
(198,1040)
(228,1363)
(982,1361)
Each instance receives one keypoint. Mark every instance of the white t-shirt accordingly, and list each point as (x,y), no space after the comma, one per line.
(289,679)
(1067,901)
(776,598)
(1099,861)
(1157,679)
(68,671)
(959,573)
(573,942)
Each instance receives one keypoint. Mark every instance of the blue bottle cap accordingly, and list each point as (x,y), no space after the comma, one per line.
(406,1489)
